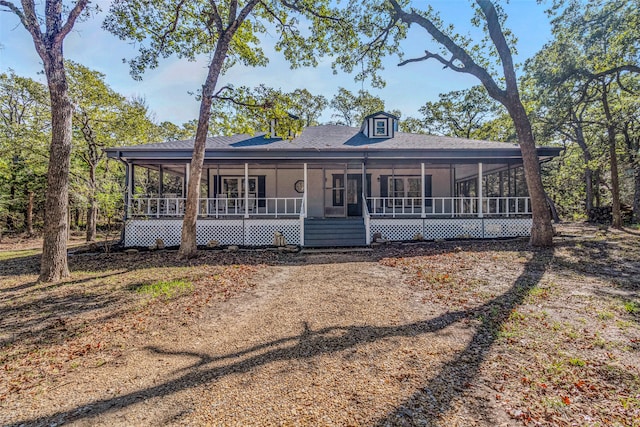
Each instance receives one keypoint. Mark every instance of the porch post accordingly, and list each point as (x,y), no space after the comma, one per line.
(129,196)
(246,190)
(422,188)
(480,215)
(364,183)
(306,191)
(161,179)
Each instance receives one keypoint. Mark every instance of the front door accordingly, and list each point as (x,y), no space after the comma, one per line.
(347,195)
(354,195)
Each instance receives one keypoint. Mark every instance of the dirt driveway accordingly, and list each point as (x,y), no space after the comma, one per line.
(457,334)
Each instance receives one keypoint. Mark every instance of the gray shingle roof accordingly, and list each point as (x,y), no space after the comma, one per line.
(327,138)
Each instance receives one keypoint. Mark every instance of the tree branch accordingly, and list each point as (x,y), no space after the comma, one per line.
(470,66)
(497,36)
(311,12)
(71,20)
(13,8)
(172,28)
(429,55)
(216,17)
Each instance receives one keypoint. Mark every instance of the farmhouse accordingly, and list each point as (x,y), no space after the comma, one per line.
(330,185)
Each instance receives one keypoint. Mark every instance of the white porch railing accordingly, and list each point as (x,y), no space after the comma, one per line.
(162,207)
(448,206)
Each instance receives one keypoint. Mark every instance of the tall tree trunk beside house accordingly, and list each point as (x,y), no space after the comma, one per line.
(188,243)
(542,230)
(229,31)
(49,45)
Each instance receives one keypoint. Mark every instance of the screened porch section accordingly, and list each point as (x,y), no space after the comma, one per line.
(159,191)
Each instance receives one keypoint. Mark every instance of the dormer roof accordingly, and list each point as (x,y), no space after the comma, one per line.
(379,125)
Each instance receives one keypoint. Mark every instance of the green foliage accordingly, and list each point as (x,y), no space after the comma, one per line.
(352,109)
(461,113)
(24,138)
(592,59)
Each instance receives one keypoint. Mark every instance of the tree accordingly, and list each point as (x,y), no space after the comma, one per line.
(460,113)
(463,61)
(307,106)
(227,31)
(48,39)
(351,109)
(101,118)
(24,131)
(584,68)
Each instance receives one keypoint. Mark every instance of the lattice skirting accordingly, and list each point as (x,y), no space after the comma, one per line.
(250,232)
(455,228)
(258,232)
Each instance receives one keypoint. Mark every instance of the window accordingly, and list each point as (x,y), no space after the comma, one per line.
(380,127)
(233,188)
(407,188)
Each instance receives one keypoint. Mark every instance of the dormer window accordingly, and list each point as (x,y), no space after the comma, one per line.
(380,127)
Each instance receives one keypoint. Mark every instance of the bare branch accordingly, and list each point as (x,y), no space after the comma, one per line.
(216,17)
(470,66)
(429,55)
(497,36)
(266,104)
(15,9)
(71,20)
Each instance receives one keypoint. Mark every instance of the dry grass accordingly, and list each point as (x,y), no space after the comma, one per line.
(457,333)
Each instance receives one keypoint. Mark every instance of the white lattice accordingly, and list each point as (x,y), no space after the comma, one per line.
(452,228)
(225,231)
(142,232)
(396,229)
(258,232)
(507,227)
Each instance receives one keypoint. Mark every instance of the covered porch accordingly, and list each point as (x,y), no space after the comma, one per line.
(246,203)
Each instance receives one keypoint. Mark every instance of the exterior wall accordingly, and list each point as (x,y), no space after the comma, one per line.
(316,193)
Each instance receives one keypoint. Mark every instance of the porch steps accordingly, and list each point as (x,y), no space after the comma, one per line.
(334,232)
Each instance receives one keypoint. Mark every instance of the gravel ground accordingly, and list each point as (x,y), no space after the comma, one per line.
(454,333)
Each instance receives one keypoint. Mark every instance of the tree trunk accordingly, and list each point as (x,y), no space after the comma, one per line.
(554,211)
(596,188)
(92,219)
(613,161)
(29,214)
(54,250)
(76,218)
(588,173)
(636,195)
(188,242)
(92,209)
(615,183)
(541,228)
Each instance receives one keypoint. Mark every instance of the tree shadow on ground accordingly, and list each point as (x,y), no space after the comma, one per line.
(311,343)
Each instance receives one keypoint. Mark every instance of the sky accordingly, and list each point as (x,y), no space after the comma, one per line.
(167,88)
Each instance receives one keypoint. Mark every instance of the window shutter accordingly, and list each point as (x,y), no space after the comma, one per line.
(261,191)
(384,185)
(427,190)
